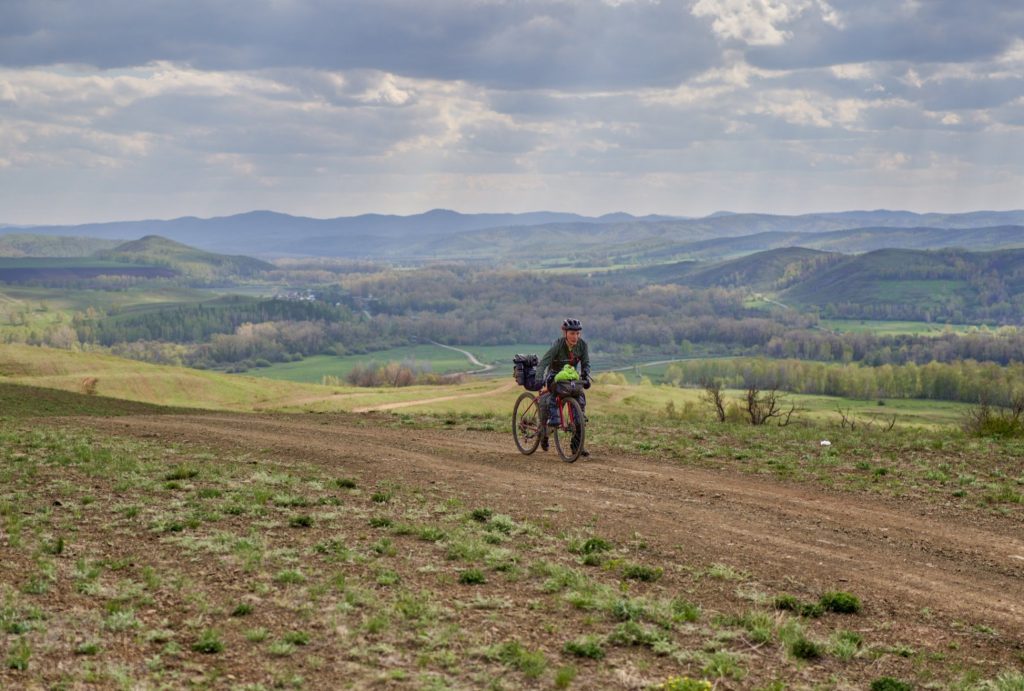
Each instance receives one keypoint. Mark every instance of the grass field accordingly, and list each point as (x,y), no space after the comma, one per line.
(433,358)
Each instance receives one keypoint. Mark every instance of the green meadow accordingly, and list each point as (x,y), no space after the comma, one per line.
(891,328)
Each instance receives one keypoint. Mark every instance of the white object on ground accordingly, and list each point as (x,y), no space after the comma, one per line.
(826,442)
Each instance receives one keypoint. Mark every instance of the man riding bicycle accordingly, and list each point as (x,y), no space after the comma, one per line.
(571,350)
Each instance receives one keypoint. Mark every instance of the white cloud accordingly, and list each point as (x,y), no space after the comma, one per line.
(853,71)
(752,21)
(796,108)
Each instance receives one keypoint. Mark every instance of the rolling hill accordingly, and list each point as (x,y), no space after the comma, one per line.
(613,238)
(159,251)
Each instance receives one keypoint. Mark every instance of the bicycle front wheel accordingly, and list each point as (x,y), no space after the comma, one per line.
(526,423)
(570,434)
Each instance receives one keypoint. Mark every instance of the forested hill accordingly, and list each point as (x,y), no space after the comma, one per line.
(192,262)
(931,285)
(34,245)
(943,285)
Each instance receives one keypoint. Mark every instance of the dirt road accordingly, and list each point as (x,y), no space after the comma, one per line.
(901,557)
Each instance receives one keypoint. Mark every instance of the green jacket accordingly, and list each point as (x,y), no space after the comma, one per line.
(559,355)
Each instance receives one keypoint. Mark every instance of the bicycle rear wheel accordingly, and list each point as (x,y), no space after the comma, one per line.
(526,423)
(569,436)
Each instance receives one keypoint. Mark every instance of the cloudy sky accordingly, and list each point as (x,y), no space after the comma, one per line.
(125,109)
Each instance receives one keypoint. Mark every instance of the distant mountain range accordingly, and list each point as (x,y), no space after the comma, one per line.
(612,239)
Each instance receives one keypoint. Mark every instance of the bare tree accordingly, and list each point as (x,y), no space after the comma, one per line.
(713,396)
(762,406)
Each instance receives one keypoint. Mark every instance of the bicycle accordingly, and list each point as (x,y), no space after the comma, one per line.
(569,433)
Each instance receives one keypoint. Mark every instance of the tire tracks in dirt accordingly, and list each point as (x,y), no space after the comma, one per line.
(898,555)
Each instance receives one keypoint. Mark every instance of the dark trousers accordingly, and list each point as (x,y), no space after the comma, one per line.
(545,405)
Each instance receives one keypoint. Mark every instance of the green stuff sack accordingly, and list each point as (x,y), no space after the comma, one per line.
(568,373)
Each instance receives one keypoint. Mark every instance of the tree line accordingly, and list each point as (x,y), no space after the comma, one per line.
(966,380)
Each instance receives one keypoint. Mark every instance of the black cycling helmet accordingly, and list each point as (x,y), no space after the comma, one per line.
(572,325)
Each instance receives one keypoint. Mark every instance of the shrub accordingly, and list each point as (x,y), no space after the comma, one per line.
(640,572)
(890,684)
(841,602)
(481,515)
(585,646)
(472,577)
(209,643)
(804,648)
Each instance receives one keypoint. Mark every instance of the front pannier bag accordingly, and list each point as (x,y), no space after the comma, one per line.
(569,388)
(524,369)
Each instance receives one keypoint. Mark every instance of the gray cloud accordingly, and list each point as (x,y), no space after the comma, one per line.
(323,108)
(533,43)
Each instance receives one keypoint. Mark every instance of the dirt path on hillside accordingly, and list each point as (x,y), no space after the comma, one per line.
(901,557)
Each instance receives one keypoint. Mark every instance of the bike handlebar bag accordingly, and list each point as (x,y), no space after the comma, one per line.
(569,389)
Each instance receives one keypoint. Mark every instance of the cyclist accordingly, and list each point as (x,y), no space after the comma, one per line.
(570,349)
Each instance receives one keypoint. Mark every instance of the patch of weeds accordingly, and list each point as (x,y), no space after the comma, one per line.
(54,547)
(790,603)
(280,649)
(840,602)
(158,636)
(181,472)
(388,577)
(431,534)
(683,684)
(593,545)
(631,633)
(289,501)
(626,609)
(381,522)
(503,524)
(384,547)
(467,549)
(37,585)
(684,611)
(208,643)
(560,577)
(304,521)
(209,493)
(415,606)
(18,656)
(345,483)
(381,497)
(724,572)
(243,609)
(296,638)
(642,572)
(481,515)
(376,623)
(501,560)
(87,648)
(512,654)
(121,620)
(289,577)
(564,676)
(257,635)
(796,642)
(723,664)
(472,577)
(846,644)
(803,648)
(585,646)
(890,684)
(1007,681)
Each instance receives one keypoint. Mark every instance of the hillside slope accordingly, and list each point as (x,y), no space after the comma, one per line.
(196,263)
(946,282)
